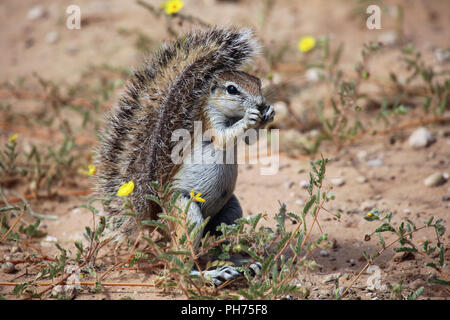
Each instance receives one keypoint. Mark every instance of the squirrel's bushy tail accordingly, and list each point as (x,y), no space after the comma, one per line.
(166,94)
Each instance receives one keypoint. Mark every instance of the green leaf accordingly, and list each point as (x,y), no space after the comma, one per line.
(309,204)
(385,227)
(405,249)
(154,223)
(416,294)
(439,281)
(383,245)
(154,199)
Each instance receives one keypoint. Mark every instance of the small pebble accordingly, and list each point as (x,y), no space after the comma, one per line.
(337,181)
(8,267)
(388,38)
(352,262)
(289,185)
(361,179)
(304,184)
(368,205)
(407,211)
(331,277)
(52,37)
(14,249)
(314,74)
(362,155)
(446,198)
(434,180)
(375,162)
(442,55)
(420,138)
(35,13)
(324,253)
(300,202)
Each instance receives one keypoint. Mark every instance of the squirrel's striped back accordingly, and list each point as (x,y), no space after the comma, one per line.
(167,94)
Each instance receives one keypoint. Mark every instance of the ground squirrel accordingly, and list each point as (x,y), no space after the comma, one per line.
(192,79)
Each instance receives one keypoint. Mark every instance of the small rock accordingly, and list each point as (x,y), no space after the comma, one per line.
(361,179)
(324,253)
(337,181)
(289,185)
(434,180)
(35,13)
(389,38)
(300,202)
(50,239)
(352,262)
(8,267)
(304,184)
(378,197)
(67,291)
(314,74)
(446,198)
(15,249)
(362,155)
(368,205)
(313,133)
(442,55)
(420,138)
(407,211)
(323,293)
(403,256)
(52,37)
(375,162)
(332,277)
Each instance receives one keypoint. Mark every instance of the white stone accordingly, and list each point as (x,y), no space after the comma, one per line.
(304,184)
(35,13)
(361,179)
(314,74)
(434,180)
(52,37)
(337,181)
(420,138)
(375,162)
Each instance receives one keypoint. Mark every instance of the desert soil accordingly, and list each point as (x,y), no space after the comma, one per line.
(396,185)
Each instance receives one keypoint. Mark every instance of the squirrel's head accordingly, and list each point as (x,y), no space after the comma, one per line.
(234,92)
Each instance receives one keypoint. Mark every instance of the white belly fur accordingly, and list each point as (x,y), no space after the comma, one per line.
(216,181)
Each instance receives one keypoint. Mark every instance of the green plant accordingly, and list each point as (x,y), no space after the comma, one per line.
(433,253)
(281,252)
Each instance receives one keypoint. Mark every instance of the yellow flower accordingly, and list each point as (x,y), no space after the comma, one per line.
(173,6)
(125,189)
(13,138)
(91,170)
(306,43)
(369,214)
(196,197)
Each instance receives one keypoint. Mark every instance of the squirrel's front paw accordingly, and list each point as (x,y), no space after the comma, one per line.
(251,118)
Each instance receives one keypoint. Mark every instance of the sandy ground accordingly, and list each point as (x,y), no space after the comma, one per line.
(396,185)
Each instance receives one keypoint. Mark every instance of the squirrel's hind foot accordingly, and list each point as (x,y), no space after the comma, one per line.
(227,273)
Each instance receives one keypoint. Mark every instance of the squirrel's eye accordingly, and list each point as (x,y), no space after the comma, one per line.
(232,90)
